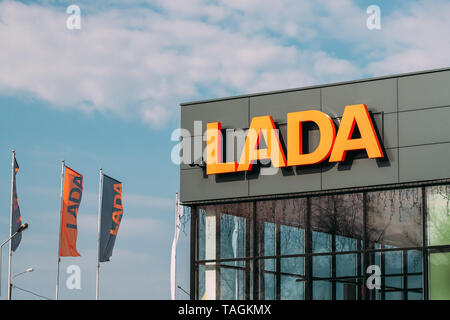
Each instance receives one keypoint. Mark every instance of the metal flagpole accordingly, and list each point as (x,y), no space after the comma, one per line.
(173,260)
(63,168)
(10,224)
(99,224)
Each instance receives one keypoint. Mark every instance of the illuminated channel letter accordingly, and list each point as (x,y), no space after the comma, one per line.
(295,154)
(262,127)
(356,115)
(214,163)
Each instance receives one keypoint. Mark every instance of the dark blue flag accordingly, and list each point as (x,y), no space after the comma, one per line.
(16,219)
(111,215)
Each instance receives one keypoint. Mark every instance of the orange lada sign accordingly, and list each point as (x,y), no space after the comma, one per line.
(333,144)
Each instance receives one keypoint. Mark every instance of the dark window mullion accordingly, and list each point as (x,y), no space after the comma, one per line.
(308,251)
(333,249)
(425,257)
(405,274)
(365,256)
(193,283)
(383,270)
(333,267)
(247,273)
(278,261)
(255,253)
(358,273)
(218,217)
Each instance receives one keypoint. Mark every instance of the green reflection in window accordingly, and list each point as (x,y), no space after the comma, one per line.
(438,206)
(440,276)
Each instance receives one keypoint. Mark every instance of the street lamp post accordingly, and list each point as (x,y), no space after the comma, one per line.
(28,270)
(16,275)
(21,228)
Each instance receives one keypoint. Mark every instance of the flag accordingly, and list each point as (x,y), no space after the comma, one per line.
(173,260)
(72,192)
(111,216)
(16,219)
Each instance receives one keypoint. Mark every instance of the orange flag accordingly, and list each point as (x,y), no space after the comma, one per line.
(73,189)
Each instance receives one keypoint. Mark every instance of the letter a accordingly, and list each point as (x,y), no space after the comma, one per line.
(356,115)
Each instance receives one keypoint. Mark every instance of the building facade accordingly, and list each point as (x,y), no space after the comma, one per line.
(361,228)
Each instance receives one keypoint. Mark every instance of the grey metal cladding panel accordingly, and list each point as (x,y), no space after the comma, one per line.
(363,172)
(378,95)
(424,90)
(231,113)
(278,105)
(195,186)
(195,157)
(424,126)
(426,162)
(287,180)
(386,124)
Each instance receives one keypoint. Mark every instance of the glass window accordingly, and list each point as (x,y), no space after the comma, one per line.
(340,216)
(201,282)
(286,217)
(281,231)
(292,284)
(232,236)
(393,279)
(269,240)
(394,218)
(232,283)
(291,240)
(438,208)
(440,276)
(269,286)
(224,232)
(332,251)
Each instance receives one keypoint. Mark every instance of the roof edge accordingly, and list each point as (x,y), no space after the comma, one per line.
(332,84)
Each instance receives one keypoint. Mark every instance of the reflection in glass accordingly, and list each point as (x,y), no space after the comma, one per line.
(394,217)
(438,207)
(201,282)
(292,278)
(232,236)
(339,215)
(281,224)
(284,247)
(440,276)
(291,240)
(231,284)
(201,234)
(321,290)
(393,288)
(269,286)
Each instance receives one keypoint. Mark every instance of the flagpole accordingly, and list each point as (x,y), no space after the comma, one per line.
(63,166)
(173,260)
(10,223)
(98,240)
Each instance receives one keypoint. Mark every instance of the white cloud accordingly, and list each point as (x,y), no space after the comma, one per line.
(142,64)
(137,63)
(415,39)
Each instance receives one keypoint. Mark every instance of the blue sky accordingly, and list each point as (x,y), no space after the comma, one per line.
(108,96)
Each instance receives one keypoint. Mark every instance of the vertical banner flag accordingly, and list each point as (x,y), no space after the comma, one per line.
(73,189)
(111,215)
(173,260)
(16,219)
